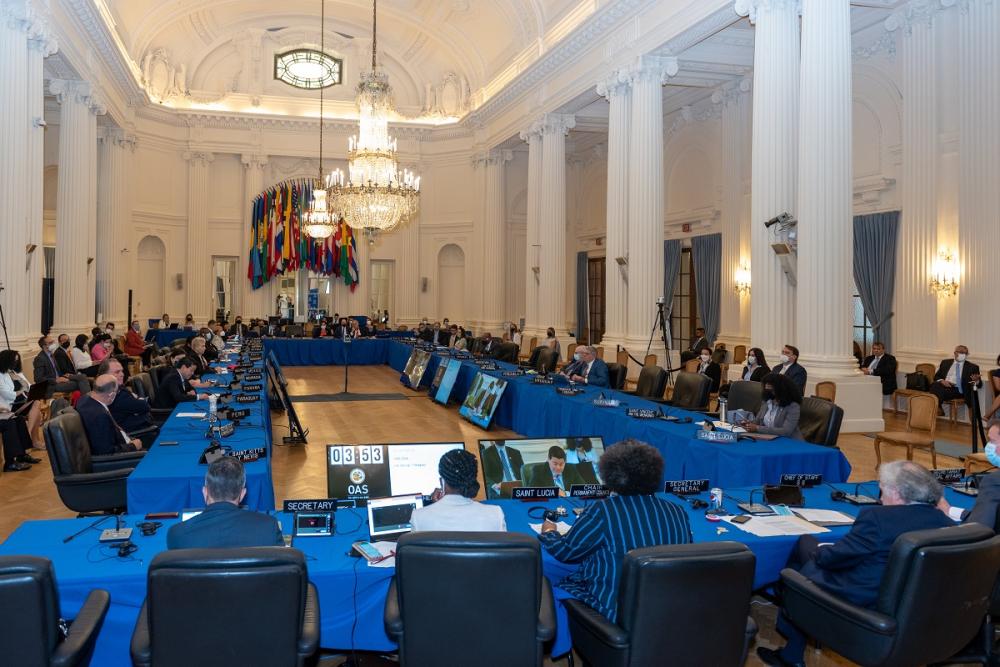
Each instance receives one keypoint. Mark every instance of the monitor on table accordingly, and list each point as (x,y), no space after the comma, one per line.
(449,372)
(360,472)
(482,400)
(416,366)
(389,518)
(526,456)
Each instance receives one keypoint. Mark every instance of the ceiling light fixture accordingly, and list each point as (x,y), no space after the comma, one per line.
(317,221)
(307,68)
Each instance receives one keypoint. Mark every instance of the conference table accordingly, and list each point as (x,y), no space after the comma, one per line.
(164,337)
(349,620)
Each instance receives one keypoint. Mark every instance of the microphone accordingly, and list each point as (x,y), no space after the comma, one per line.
(750,507)
(93,524)
(116,534)
(853,498)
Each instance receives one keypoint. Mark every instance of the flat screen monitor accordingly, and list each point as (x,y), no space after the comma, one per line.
(416,366)
(390,517)
(525,462)
(482,400)
(449,371)
(360,472)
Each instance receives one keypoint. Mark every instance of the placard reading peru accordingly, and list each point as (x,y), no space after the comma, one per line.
(807,479)
(238,414)
(684,487)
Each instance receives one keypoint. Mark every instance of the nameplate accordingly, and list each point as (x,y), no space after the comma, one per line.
(310,505)
(643,413)
(249,455)
(487,367)
(806,479)
(534,492)
(244,366)
(238,414)
(256,356)
(948,475)
(685,487)
(541,380)
(606,402)
(716,436)
(568,391)
(253,377)
(513,374)
(227,430)
(589,491)
(252,387)
(247,398)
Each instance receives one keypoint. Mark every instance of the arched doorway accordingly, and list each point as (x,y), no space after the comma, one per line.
(451,283)
(152,276)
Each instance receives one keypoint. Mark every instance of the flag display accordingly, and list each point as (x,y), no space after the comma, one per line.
(279,244)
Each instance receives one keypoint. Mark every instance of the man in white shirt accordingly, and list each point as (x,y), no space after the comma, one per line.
(455,509)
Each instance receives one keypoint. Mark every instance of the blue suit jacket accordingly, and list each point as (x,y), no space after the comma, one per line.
(225,525)
(104,436)
(796,373)
(852,568)
(598,376)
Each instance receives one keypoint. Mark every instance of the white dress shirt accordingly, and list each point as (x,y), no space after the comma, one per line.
(7,393)
(955,373)
(81,359)
(455,512)
(874,364)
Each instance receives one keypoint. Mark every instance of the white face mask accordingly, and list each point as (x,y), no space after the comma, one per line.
(109,330)
(752,360)
(576,356)
(960,356)
(53,346)
(135,327)
(783,358)
(706,357)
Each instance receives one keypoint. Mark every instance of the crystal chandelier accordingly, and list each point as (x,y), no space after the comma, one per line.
(317,221)
(375,195)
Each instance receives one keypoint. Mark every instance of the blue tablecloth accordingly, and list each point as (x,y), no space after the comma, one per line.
(327,351)
(82,565)
(164,337)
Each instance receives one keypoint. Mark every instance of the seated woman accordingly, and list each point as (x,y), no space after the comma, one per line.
(10,366)
(13,430)
(630,518)
(461,341)
(454,507)
(755,369)
(779,412)
(81,357)
(100,347)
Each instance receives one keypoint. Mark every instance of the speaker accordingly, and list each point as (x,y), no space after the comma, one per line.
(423,284)
(180,281)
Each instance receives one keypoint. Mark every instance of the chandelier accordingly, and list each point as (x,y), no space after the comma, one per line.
(374,195)
(317,221)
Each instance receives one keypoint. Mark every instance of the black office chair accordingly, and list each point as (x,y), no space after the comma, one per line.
(30,632)
(143,387)
(250,606)
(616,376)
(441,576)
(925,612)
(546,360)
(294,331)
(652,382)
(691,391)
(85,483)
(703,589)
(745,395)
(820,421)
(508,352)
(156,374)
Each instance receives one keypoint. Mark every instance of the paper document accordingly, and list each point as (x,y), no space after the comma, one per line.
(773,526)
(825,517)
(192,415)
(726,426)
(562,527)
(385,548)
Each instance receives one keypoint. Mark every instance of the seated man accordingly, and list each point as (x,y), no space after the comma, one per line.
(106,436)
(238,329)
(709,368)
(500,464)
(988,498)
(175,387)
(454,507)
(59,378)
(632,517)
(223,524)
(489,345)
(695,348)
(555,473)
(789,367)
(882,365)
(852,567)
(587,368)
(129,411)
(954,377)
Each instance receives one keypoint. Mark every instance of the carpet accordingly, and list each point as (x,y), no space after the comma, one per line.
(331,398)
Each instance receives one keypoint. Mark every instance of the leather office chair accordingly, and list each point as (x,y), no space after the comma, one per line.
(251,606)
(616,376)
(142,386)
(924,614)
(294,331)
(85,483)
(703,589)
(745,395)
(30,633)
(156,374)
(651,383)
(430,619)
(691,391)
(546,362)
(820,420)
(508,352)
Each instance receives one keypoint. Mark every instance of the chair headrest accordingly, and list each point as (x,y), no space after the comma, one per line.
(67,444)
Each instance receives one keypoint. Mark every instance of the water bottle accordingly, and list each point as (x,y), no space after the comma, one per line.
(212,402)
(723,410)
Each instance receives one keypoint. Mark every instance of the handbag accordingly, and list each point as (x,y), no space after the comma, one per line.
(917,381)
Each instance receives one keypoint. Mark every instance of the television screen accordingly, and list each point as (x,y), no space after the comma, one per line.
(525,462)
(388,517)
(360,472)
(482,400)
(416,366)
(447,380)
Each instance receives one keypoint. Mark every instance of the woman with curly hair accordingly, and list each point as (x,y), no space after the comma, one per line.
(455,508)
(630,518)
(779,413)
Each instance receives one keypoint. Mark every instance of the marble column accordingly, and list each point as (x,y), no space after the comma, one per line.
(552,293)
(493,296)
(114,157)
(826,191)
(532,324)
(253,302)
(774,163)
(198,279)
(617,89)
(76,203)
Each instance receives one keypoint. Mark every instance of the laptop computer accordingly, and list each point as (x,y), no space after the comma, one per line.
(388,518)
(37,392)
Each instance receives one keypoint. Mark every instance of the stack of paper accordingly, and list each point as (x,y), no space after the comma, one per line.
(825,517)
(773,526)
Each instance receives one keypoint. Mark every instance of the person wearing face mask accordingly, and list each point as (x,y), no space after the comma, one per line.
(454,506)
(954,377)
(59,378)
(218,339)
(106,436)
(755,369)
(550,342)
(488,345)
(188,322)
(779,411)
(790,367)
(211,353)
(699,341)
(709,368)
(882,365)
(10,366)
(238,329)
(988,498)
(587,368)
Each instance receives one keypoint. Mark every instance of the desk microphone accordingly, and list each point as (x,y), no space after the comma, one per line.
(855,498)
(750,507)
(116,534)
(93,524)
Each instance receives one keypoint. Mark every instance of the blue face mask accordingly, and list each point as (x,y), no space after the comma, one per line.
(992,455)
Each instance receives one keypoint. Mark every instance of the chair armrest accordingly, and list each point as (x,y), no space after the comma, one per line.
(546,613)
(596,624)
(140,648)
(93,478)
(810,607)
(392,618)
(116,461)
(309,639)
(83,631)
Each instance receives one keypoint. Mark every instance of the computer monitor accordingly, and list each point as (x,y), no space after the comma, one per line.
(416,366)
(482,400)
(449,372)
(390,517)
(527,460)
(360,472)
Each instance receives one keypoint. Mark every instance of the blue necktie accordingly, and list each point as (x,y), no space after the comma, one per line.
(958,376)
(508,471)
(558,480)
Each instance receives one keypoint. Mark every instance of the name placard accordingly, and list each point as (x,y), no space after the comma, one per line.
(252,387)
(253,377)
(534,493)
(256,356)
(249,455)
(541,380)
(717,436)
(606,402)
(513,374)
(238,414)
(247,398)
(568,391)
(244,366)
(685,487)
(487,367)
(948,475)
(643,413)
(310,505)
(805,479)
(589,491)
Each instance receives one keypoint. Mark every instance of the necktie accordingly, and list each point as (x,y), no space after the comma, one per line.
(508,470)
(958,376)
(558,480)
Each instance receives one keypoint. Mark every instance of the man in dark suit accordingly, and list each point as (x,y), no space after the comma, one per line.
(64,362)
(852,568)
(500,464)
(175,387)
(128,410)
(46,368)
(709,368)
(953,378)
(587,368)
(106,436)
(695,348)
(789,367)
(988,498)
(882,365)
(489,345)
(238,329)
(223,524)
(556,473)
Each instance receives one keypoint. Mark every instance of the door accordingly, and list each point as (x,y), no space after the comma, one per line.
(149,299)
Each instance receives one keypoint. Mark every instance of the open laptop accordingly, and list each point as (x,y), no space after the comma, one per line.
(388,518)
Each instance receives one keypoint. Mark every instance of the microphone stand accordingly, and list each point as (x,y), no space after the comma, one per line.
(347,360)
(3,322)
(976,419)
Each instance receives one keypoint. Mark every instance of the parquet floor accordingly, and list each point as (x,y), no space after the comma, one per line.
(300,471)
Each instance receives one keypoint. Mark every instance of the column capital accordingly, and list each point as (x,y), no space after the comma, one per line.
(198,157)
(754,8)
(40,33)
(495,156)
(557,123)
(915,12)
(532,130)
(653,68)
(117,137)
(253,160)
(617,82)
(732,91)
(71,90)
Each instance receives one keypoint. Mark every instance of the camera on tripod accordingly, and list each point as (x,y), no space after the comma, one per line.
(661,300)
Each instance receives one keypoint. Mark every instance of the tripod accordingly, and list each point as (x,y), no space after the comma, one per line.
(976,420)
(660,321)
(3,322)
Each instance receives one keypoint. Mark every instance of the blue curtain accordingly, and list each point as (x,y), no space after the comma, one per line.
(671,269)
(706,257)
(582,300)
(875,269)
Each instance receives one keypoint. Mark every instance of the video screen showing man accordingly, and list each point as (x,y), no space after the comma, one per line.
(539,462)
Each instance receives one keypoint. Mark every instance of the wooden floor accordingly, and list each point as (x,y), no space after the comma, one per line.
(300,471)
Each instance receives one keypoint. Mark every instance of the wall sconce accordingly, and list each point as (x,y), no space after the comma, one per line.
(741,280)
(944,274)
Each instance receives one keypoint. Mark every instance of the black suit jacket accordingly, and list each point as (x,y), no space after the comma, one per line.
(131,413)
(200,363)
(44,368)
(714,372)
(240,330)
(968,370)
(796,373)
(64,362)
(172,390)
(852,568)
(493,467)
(757,375)
(105,438)
(541,475)
(698,344)
(885,371)
(225,525)
(985,509)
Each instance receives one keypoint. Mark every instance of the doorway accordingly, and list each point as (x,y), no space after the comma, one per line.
(149,299)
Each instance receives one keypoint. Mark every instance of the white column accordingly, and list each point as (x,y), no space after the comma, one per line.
(532,324)
(114,157)
(198,280)
(618,91)
(552,300)
(76,203)
(774,160)
(252,303)
(492,296)
(826,191)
